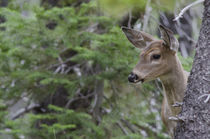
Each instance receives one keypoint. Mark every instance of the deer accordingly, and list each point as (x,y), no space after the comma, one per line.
(158,59)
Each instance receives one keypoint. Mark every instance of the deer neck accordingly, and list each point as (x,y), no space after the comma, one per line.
(174,84)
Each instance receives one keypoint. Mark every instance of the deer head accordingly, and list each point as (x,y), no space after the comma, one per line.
(156,57)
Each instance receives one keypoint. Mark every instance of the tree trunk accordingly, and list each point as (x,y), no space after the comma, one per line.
(195,115)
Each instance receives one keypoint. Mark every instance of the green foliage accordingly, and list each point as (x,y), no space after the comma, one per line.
(164,5)
(118,8)
(186,62)
(31,49)
(41,53)
(64,124)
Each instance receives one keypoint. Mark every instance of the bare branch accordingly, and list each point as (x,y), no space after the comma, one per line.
(147,15)
(148,129)
(73,99)
(158,86)
(129,18)
(175,118)
(58,64)
(205,95)
(99,85)
(24,110)
(129,125)
(181,31)
(122,128)
(61,67)
(78,98)
(177,104)
(186,8)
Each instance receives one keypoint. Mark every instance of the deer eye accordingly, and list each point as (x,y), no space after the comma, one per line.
(156,56)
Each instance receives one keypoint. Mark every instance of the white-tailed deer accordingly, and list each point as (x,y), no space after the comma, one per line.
(158,59)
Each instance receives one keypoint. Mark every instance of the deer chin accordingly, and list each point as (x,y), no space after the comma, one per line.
(149,78)
(139,81)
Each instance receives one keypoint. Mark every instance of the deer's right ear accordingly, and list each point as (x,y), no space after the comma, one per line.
(169,39)
(137,38)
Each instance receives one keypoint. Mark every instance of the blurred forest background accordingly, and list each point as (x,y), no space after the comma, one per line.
(64,67)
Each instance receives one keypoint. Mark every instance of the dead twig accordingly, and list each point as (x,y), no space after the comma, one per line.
(158,86)
(24,110)
(177,104)
(78,98)
(180,31)
(176,118)
(98,92)
(62,66)
(129,125)
(122,128)
(73,99)
(207,97)
(58,64)
(129,18)
(146,15)
(149,129)
(186,8)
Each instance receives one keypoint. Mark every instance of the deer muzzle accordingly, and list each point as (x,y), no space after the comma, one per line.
(133,78)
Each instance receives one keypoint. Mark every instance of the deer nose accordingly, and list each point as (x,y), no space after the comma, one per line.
(132,77)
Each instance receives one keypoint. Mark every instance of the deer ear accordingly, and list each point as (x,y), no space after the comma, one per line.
(137,38)
(169,39)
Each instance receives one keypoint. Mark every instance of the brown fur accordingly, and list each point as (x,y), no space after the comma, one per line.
(168,69)
(171,74)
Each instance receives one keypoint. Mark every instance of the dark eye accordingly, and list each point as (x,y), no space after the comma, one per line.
(156,56)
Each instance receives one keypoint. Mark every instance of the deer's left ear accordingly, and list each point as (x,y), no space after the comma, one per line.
(169,39)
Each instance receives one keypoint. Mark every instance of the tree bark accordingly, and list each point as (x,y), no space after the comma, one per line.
(195,115)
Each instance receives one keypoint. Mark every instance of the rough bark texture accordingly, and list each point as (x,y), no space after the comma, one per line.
(195,115)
